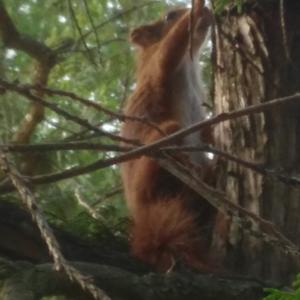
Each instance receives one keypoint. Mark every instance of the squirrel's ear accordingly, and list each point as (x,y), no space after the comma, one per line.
(142,36)
(146,35)
(136,36)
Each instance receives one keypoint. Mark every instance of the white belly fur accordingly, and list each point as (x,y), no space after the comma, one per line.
(189,97)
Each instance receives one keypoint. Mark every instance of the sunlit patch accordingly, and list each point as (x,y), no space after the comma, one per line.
(25,8)
(66,78)
(133,86)
(109,4)
(13,69)
(188,3)
(52,123)
(209,115)
(210,155)
(109,127)
(110,154)
(62,19)
(10,54)
(92,96)
(28,117)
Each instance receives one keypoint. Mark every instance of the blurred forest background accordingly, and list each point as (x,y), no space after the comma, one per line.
(81,47)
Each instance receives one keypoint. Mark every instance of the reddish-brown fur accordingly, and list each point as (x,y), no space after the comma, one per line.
(168,218)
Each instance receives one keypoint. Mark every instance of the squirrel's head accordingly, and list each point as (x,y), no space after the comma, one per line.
(148,35)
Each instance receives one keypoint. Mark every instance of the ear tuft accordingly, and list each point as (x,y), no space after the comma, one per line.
(135,36)
(146,35)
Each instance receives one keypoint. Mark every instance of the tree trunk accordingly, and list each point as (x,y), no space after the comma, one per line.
(256,59)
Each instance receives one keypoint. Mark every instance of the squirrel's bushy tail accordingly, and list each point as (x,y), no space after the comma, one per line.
(164,232)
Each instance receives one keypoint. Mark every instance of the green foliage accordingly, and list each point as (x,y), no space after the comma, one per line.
(293,294)
(221,4)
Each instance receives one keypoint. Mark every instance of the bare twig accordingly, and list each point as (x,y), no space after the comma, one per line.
(82,39)
(254,166)
(63,146)
(113,192)
(86,102)
(117,16)
(91,210)
(87,9)
(95,105)
(60,262)
(30,96)
(255,108)
(241,51)
(56,125)
(187,173)
(150,148)
(284,30)
(85,133)
(95,49)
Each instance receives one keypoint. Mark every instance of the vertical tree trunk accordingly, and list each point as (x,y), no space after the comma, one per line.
(256,59)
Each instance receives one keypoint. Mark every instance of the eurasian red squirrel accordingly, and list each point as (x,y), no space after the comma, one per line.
(169,220)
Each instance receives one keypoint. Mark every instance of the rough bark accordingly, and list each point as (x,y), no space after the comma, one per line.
(31,282)
(122,277)
(257,58)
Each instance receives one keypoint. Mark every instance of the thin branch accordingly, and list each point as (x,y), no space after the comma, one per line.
(117,16)
(255,108)
(85,133)
(87,9)
(91,210)
(73,16)
(150,148)
(95,49)
(25,92)
(241,51)
(188,173)
(113,192)
(284,30)
(86,102)
(94,104)
(60,262)
(63,146)
(254,166)
(55,125)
